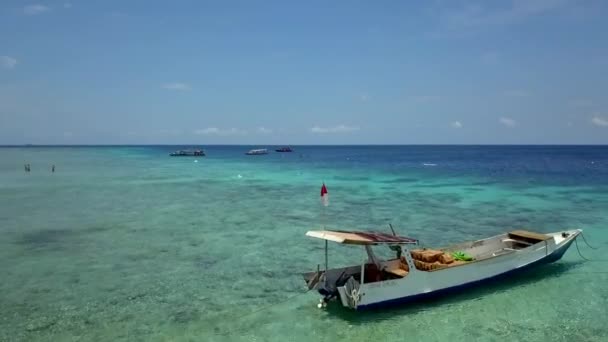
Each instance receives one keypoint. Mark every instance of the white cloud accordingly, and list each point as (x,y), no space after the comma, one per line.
(516,93)
(334,129)
(67,5)
(364,97)
(507,122)
(8,62)
(35,9)
(209,130)
(177,86)
(264,130)
(599,121)
(219,131)
(456,124)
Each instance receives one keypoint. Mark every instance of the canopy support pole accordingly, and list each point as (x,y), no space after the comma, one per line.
(362,273)
(326,264)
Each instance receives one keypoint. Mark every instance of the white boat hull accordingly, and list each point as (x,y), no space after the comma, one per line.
(419,284)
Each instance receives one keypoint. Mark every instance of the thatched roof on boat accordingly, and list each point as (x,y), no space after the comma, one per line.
(360,238)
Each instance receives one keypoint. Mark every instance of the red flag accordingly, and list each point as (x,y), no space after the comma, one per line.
(324,195)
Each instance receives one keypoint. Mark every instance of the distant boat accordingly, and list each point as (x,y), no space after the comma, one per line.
(188,153)
(256,152)
(284,149)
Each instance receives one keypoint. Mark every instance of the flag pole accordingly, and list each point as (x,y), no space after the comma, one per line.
(323,213)
(324,204)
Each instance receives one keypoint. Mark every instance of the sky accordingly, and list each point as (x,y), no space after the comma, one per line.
(304,72)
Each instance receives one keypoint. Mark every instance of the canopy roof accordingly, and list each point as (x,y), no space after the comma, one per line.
(360,238)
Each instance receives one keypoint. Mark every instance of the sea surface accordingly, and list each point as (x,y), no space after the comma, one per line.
(125,243)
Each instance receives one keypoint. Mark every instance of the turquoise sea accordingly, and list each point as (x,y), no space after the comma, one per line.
(128,244)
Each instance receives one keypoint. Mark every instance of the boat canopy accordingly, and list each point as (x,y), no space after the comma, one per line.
(360,238)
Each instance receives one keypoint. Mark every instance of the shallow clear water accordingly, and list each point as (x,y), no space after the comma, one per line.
(126,243)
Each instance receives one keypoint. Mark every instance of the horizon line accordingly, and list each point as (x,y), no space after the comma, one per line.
(248,145)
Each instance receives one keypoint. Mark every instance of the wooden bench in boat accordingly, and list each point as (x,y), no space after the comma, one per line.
(526,237)
(397,271)
(400,272)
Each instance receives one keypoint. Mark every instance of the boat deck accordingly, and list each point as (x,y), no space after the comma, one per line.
(480,250)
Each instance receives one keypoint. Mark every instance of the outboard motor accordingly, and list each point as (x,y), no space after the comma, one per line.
(329,288)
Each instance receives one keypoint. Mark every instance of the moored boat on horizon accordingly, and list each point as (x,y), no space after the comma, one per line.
(256,152)
(417,273)
(284,149)
(188,153)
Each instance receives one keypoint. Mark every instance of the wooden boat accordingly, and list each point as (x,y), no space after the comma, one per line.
(188,153)
(284,149)
(417,273)
(257,152)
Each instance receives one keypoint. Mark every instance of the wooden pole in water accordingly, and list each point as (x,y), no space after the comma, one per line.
(324,204)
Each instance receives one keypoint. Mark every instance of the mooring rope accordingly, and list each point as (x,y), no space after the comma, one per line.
(270,306)
(587,243)
(579,251)
(263,308)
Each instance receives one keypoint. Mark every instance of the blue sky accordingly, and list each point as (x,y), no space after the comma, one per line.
(304,72)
